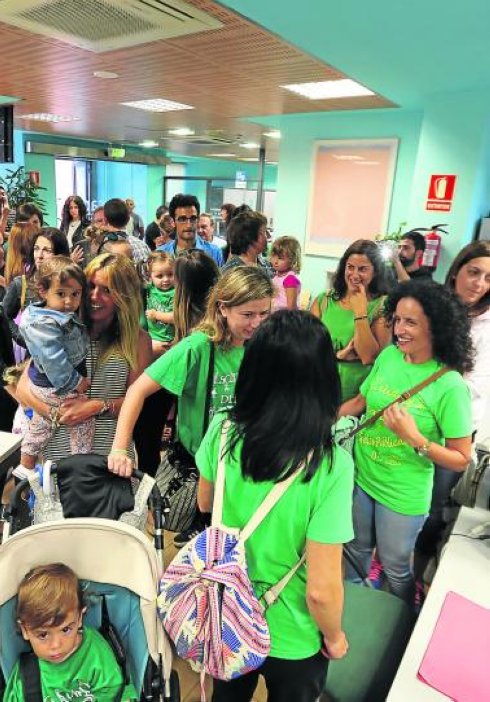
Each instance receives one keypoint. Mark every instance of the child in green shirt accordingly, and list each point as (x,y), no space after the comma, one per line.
(74,661)
(160,301)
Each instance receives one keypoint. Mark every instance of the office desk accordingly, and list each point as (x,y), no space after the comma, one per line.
(465,569)
(9,453)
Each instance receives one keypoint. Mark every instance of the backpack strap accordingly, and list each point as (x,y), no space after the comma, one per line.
(272,594)
(30,677)
(274,495)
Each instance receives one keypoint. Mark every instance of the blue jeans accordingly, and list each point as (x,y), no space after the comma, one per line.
(394,536)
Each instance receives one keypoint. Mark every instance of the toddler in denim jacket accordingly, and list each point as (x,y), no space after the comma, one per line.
(58,345)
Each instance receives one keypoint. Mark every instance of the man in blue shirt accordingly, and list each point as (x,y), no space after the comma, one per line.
(184,210)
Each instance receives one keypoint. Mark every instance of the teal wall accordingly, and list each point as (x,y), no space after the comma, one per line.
(18,155)
(45,165)
(454,140)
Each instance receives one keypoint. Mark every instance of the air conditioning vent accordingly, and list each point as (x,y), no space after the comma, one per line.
(205,140)
(106,25)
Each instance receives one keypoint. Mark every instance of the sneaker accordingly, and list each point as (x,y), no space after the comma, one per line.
(376,574)
(185,536)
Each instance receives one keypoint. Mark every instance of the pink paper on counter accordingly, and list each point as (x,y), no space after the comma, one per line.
(457,658)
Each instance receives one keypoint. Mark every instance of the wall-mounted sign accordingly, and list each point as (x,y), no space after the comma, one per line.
(441,192)
(240,179)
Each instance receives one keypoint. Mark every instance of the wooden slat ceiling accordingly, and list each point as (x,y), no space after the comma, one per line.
(227,74)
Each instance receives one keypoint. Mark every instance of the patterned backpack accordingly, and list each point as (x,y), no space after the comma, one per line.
(207,603)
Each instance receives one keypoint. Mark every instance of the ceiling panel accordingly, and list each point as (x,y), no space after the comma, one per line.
(227,74)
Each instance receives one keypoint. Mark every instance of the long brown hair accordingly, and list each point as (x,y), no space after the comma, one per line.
(20,244)
(477,249)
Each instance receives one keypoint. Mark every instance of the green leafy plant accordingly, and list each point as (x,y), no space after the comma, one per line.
(21,189)
(392,236)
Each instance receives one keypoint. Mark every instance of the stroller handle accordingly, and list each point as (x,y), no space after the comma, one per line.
(155,503)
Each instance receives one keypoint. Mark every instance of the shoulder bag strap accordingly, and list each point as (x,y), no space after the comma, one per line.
(402,398)
(209,388)
(30,676)
(23,291)
(272,594)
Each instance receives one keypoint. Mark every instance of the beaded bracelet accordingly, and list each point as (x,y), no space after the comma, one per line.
(364,316)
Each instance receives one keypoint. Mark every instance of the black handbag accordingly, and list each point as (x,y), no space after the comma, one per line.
(177,475)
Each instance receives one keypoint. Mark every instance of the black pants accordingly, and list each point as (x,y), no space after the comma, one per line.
(148,430)
(287,681)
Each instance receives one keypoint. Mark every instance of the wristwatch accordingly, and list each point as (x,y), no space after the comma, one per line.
(424,449)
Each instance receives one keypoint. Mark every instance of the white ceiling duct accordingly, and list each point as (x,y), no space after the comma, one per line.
(106,25)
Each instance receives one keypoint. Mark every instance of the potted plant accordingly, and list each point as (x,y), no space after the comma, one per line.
(20,189)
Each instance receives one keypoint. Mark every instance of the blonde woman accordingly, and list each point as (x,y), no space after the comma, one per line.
(118,352)
(237,304)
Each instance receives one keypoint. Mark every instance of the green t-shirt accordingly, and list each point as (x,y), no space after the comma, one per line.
(183,371)
(91,674)
(387,468)
(340,324)
(320,510)
(161,301)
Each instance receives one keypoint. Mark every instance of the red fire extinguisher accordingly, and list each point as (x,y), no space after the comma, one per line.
(433,243)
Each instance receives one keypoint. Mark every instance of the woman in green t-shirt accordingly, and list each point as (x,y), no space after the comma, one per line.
(286,403)
(352,311)
(238,303)
(395,456)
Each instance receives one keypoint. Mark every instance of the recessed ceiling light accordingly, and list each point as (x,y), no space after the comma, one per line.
(46,117)
(182,131)
(249,159)
(271,163)
(348,157)
(249,145)
(106,75)
(221,155)
(157,105)
(274,134)
(328,89)
(148,143)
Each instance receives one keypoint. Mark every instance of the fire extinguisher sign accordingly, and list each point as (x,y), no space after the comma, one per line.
(441,192)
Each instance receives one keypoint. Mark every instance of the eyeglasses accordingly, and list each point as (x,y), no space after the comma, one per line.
(182,219)
(38,249)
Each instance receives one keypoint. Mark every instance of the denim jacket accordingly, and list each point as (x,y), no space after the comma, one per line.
(210,249)
(57,342)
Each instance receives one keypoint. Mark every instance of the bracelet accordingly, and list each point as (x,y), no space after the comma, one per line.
(104,409)
(119,452)
(363,316)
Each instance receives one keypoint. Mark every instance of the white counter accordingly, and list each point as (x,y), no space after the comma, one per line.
(465,569)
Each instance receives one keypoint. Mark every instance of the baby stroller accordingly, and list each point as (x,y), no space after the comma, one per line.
(99,550)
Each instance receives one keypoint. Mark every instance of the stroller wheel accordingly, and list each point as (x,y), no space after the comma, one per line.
(174,688)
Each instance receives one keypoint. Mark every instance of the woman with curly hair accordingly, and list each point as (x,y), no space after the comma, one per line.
(395,456)
(74,219)
(352,311)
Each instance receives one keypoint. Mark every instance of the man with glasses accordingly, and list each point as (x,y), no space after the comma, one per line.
(117,215)
(184,210)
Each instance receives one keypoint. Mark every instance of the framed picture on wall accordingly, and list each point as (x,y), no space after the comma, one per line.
(350,193)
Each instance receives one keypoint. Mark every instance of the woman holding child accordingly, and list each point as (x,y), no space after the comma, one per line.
(118,352)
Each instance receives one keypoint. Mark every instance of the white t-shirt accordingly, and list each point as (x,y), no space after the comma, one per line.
(479,378)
